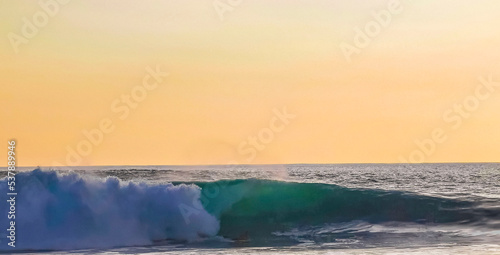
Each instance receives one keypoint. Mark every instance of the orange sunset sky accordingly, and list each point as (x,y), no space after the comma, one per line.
(411,92)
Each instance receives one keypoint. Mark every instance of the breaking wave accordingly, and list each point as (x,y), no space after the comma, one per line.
(69,211)
(262,207)
(55,211)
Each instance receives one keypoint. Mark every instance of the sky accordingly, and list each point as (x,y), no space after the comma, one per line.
(123,82)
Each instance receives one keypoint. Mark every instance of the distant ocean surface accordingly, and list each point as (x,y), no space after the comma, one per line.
(268,209)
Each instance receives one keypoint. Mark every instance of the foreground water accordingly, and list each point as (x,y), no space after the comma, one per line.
(290,209)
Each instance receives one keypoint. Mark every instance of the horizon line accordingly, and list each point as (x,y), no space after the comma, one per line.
(273,164)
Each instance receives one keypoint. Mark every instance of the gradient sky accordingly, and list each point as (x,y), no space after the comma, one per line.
(227,77)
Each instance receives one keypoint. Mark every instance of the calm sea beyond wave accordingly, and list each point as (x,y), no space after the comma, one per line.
(269,209)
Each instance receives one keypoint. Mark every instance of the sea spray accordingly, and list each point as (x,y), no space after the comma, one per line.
(68,211)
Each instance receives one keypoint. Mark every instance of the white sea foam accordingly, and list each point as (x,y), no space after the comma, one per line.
(69,211)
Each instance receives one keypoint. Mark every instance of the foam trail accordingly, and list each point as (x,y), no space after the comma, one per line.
(55,211)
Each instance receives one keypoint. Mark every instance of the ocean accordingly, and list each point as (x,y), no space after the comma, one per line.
(264,209)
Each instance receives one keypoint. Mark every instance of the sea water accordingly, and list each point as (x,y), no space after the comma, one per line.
(266,209)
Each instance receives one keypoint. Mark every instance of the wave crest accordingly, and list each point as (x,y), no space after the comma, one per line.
(55,211)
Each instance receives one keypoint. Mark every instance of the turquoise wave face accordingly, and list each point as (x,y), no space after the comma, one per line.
(261,207)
